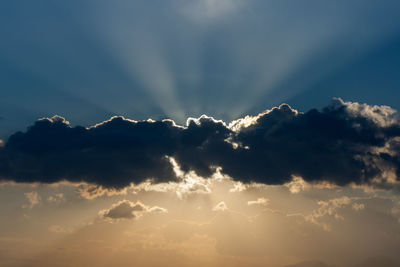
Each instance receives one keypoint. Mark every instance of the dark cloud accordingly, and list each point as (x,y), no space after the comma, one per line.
(334,144)
(112,154)
(124,209)
(343,143)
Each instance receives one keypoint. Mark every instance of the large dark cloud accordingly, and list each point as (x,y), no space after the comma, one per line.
(343,143)
(113,154)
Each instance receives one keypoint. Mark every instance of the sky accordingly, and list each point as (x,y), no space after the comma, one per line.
(200,133)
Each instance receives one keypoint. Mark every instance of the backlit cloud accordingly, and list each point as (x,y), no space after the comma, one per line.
(344,143)
(126,209)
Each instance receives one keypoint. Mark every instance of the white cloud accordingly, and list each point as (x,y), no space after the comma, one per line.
(157,209)
(381,115)
(238,187)
(221,206)
(260,201)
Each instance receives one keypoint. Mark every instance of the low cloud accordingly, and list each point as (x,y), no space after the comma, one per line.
(260,201)
(126,209)
(344,143)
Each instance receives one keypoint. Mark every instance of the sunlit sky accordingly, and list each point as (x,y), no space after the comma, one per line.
(106,158)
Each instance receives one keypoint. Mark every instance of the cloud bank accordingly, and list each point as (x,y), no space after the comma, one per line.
(343,143)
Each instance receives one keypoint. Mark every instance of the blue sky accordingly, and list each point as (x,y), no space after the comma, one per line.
(89,60)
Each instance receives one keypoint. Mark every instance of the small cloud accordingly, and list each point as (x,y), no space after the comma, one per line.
(220,207)
(260,201)
(94,191)
(123,210)
(126,209)
(238,187)
(33,199)
(157,209)
(358,206)
(296,185)
(57,198)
